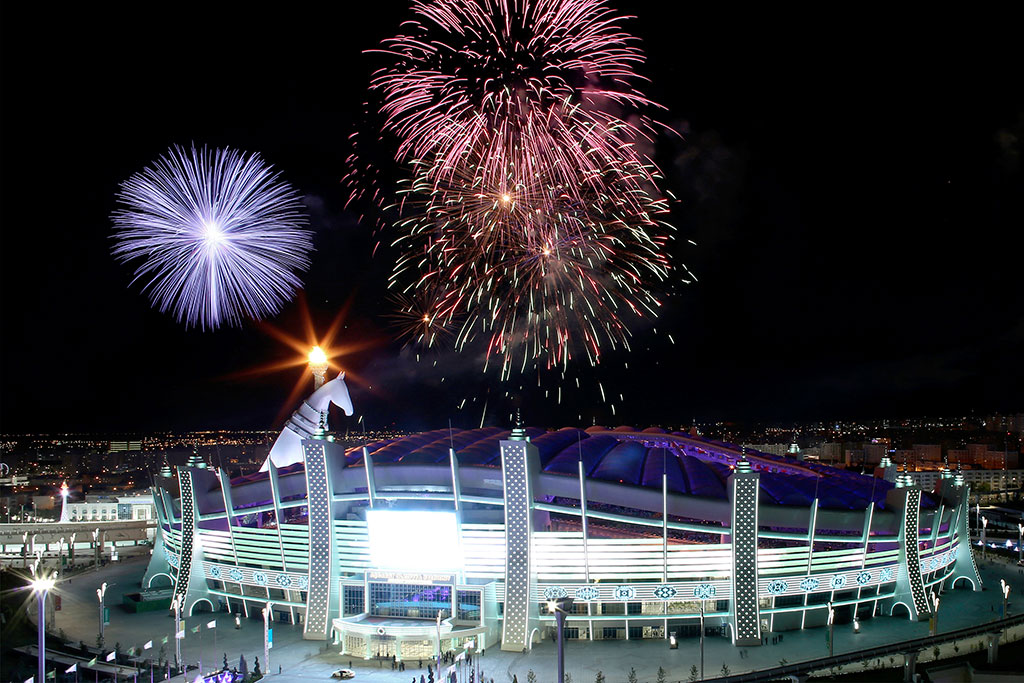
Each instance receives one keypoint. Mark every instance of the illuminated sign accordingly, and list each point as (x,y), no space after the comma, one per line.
(416,541)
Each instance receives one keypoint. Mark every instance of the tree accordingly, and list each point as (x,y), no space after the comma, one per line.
(568,677)
(225,662)
(599,678)
(531,677)
(725,669)
(661,675)
(256,667)
(694,674)
(632,675)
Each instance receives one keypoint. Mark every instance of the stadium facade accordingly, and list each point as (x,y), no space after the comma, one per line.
(650,533)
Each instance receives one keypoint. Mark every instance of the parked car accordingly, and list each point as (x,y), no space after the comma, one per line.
(344,674)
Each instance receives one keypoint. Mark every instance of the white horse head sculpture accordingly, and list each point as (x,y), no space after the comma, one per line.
(305,421)
(335,391)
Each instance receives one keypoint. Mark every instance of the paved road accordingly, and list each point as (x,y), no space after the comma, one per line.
(308,660)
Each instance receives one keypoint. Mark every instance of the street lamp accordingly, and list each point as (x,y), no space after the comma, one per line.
(984,526)
(1005,590)
(934,622)
(1020,540)
(101,593)
(268,614)
(176,606)
(831,620)
(41,585)
(561,608)
(702,639)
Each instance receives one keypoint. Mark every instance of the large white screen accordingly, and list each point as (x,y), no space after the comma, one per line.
(413,540)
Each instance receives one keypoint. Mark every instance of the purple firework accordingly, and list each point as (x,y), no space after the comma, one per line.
(218,236)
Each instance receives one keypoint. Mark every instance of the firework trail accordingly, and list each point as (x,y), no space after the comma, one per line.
(218,236)
(530,210)
(534,271)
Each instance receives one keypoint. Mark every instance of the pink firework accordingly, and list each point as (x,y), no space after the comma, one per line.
(538,86)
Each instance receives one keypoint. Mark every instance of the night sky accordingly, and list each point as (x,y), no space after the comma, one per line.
(853,184)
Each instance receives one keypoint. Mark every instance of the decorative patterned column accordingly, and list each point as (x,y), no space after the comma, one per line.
(191,584)
(909,583)
(321,547)
(520,611)
(744,487)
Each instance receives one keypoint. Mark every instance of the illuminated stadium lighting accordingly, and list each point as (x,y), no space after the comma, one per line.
(484,526)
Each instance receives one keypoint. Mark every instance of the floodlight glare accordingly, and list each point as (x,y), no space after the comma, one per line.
(414,540)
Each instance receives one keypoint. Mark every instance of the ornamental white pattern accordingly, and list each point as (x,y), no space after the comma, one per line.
(838,581)
(704,591)
(555,592)
(625,593)
(775,587)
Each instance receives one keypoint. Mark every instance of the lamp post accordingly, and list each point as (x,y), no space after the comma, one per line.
(438,663)
(702,640)
(97,549)
(831,621)
(42,585)
(101,593)
(1004,589)
(1020,540)
(561,608)
(268,615)
(984,527)
(71,550)
(934,622)
(176,606)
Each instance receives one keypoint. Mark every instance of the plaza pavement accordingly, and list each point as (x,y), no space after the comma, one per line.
(302,660)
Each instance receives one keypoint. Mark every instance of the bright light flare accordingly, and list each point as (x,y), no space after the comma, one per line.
(42,584)
(317,356)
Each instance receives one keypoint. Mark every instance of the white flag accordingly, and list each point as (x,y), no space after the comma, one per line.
(71,669)
(180,634)
(31,680)
(147,645)
(111,656)
(212,624)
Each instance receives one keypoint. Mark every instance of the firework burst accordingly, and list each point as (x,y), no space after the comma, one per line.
(218,236)
(530,210)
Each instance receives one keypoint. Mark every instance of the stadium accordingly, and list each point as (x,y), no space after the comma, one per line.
(453,537)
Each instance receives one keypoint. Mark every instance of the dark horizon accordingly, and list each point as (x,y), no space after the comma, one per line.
(855,194)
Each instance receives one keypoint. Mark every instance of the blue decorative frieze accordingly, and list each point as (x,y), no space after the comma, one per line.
(236,575)
(885,575)
(838,581)
(624,593)
(303,583)
(777,586)
(284,581)
(587,593)
(173,559)
(555,593)
(665,592)
(864,578)
(704,591)
(260,578)
(809,584)
(215,571)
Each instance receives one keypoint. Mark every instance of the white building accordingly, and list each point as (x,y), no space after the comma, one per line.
(119,508)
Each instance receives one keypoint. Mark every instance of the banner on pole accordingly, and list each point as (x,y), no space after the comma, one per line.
(71,669)
(112,656)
